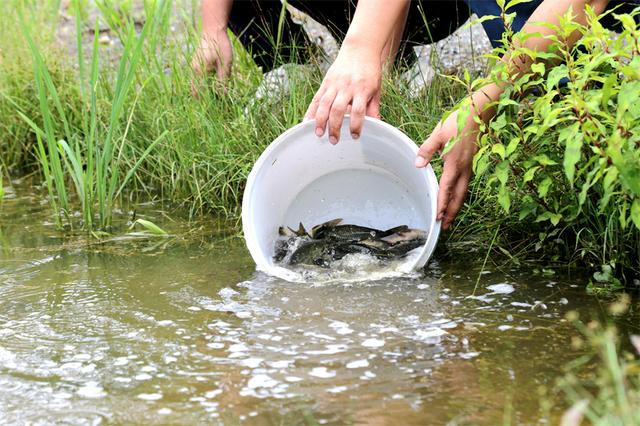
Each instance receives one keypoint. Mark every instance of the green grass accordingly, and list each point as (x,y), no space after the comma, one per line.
(602,386)
(102,131)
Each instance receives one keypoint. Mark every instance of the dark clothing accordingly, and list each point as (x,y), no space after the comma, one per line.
(494,27)
(256,23)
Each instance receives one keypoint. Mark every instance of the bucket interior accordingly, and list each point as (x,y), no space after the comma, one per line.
(301,178)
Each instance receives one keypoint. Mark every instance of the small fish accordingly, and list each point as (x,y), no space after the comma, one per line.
(323,252)
(285,231)
(318,230)
(405,235)
(356,232)
(331,240)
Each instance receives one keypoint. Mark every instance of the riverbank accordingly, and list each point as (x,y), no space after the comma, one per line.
(133,129)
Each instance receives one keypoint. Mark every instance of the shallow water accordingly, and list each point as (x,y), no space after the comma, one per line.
(182,331)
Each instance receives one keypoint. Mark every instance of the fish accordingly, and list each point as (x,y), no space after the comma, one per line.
(332,240)
(405,235)
(355,232)
(323,252)
(319,230)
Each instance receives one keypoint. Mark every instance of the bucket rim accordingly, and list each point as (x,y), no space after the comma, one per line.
(248,229)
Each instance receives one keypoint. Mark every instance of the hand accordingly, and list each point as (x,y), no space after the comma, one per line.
(214,54)
(353,82)
(458,162)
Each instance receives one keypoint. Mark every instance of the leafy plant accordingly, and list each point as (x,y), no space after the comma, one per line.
(561,156)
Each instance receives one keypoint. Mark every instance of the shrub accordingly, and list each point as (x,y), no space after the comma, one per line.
(561,155)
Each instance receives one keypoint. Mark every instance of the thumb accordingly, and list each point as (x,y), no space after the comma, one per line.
(428,149)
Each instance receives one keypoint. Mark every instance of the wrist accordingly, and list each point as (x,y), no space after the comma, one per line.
(361,46)
(214,32)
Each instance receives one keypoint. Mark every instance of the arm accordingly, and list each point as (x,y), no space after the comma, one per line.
(354,79)
(215,52)
(457,167)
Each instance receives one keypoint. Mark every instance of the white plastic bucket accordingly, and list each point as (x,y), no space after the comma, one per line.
(371,181)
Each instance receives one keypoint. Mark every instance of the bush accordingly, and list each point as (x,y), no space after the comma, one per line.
(561,155)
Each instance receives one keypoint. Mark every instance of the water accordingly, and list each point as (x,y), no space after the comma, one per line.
(182,331)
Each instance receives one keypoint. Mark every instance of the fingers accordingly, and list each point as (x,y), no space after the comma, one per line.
(456,201)
(323,110)
(358,110)
(313,106)
(428,149)
(336,115)
(447,183)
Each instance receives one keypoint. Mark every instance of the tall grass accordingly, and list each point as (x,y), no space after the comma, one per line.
(101,130)
(91,160)
(608,394)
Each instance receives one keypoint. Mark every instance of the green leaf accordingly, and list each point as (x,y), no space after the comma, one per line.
(554,218)
(543,187)
(481,161)
(504,198)
(538,68)
(572,154)
(635,212)
(605,275)
(498,149)
(502,172)
(149,226)
(529,174)
(513,3)
(544,160)
(627,21)
(513,145)
(628,99)
(608,89)
(526,210)
(499,122)
(556,74)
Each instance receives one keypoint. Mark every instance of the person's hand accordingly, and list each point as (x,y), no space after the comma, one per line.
(352,83)
(456,171)
(214,54)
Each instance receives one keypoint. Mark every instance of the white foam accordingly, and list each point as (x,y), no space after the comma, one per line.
(373,343)
(261,381)
(337,389)
(361,363)
(91,390)
(150,396)
(502,288)
(213,393)
(322,373)
(251,362)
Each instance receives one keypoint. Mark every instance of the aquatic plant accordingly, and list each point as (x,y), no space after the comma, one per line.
(91,160)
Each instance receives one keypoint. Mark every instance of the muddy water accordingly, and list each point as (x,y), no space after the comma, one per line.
(181,330)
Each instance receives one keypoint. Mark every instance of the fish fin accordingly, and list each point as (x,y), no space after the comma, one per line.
(396,230)
(316,230)
(286,232)
(301,231)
